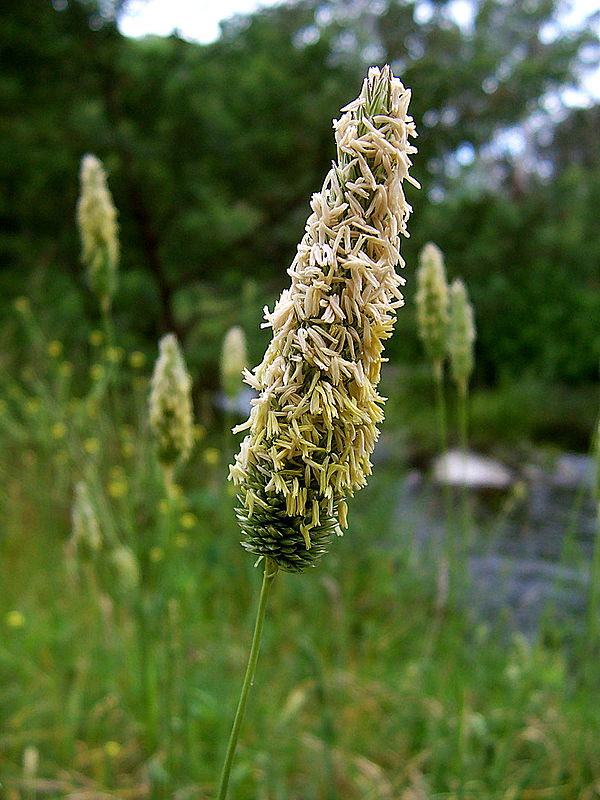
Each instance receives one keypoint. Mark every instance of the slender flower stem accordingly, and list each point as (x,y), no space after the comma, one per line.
(570,550)
(595,570)
(463,434)
(111,372)
(269,575)
(594,586)
(443,433)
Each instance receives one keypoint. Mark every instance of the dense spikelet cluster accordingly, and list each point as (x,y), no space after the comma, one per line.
(84,521)
(233,361)
(171,417)
(97,221)
(314,424)
(432,303)
(461,336)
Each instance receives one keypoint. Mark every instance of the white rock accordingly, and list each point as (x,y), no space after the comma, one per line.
(471,470)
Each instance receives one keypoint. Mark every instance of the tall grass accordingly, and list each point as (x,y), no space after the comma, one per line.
(486,714)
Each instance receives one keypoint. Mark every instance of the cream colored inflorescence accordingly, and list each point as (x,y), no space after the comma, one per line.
(461,336)
(171,416)
(84,521)
(314,424)
(432,303)
(233,361)
(126,567)
(97,221)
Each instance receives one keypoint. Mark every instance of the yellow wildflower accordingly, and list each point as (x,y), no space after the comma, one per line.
(21,304)
(188,520)
(211,456)
(96,372)
(113,354)
(91,446)
(15,619)
(128,449)
(59,430)
(32,405)
(163,506)
(118,488)
(55,348)
(137,359)
(112,749)
(96,338)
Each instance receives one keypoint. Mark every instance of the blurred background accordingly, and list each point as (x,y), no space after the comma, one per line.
(372,682)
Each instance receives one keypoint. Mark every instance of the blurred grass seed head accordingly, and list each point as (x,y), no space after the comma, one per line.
(462,333)
(97,221)
(84,520)
(233,361)
(171,416)
(432,303)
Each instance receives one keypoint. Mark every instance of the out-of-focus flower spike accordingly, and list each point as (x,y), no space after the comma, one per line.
(84,519)
(97,221)
(461,336)
(432,304)
(171,416)
(233,361)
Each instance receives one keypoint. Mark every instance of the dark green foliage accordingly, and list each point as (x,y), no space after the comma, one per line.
(213,152)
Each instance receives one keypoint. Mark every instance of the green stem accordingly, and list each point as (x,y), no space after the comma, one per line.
(594,586)
(447,491)
(165,591)
(570,550)
(463,433)
(110,365)
(595,572)
(269,575)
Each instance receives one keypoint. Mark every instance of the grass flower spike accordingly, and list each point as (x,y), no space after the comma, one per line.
(126,567)
(84,520)
(314,425)
(461,335)
(97,220)
(432,304)
(171,417)
(233,361)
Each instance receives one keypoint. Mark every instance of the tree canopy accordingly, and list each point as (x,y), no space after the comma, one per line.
(213,152)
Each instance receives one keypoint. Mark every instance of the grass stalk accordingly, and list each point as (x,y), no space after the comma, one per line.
(595,568)
(463,433)
(110,366)
(446,489)
(270,572)
(570,551)
(594,586)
